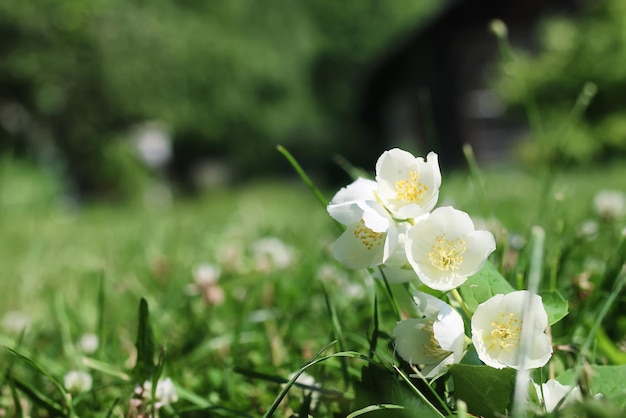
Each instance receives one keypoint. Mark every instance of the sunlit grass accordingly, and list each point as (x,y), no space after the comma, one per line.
(60,263)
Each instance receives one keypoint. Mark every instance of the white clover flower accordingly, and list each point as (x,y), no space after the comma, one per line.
(588,229)
(327,272)
(434,341)
(15,321)
(408,186)
(308,380)
(206,274)
(444,249)
(271,252)
(497,331)
(551,393)
(205,283)
(165,393)
(153,144)
(610,204)
(371,234)
(88,343)
(77,381)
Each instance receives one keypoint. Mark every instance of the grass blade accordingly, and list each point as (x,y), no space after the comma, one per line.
(338,333)
(106,368)
(144,367)
(39,398)
(316,359)
(303,175)
(19,412)
(372,408)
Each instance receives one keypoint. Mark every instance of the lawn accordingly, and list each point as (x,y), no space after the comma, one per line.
(227,345)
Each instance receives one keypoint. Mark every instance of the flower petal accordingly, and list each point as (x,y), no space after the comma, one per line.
(360,189)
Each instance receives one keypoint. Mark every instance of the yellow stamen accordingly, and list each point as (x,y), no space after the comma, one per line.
(433,349)
(506,331)
(411,190)
(369,238)
(447,254)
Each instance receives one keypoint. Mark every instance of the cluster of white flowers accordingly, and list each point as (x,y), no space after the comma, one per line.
(389,223)
(392,224)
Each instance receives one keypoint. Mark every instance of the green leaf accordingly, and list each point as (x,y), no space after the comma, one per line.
(555,305)
(607,380)
(483,285)
(380,386)
(486,391)
(145,346)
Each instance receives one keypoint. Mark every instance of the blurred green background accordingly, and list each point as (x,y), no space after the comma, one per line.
(83,85)
(226,80)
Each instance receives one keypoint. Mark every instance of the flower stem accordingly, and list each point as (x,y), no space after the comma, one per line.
(457,296)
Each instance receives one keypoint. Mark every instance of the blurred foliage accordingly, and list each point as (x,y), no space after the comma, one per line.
(229,79)
(590,47)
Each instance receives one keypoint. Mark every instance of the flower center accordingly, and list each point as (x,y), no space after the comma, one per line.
(447,254)
(368,238)
(433,349)
(506,331)
(410,190)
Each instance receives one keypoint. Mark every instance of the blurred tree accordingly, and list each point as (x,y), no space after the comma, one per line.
(588,48)
(230,79)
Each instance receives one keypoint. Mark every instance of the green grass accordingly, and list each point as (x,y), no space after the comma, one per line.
(80,270)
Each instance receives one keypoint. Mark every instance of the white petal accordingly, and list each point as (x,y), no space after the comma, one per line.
(375,216)
(393,164)
(360,189)
(449,329)
(539,352)
(345,213)
(410,339)
(428,305)
(479,244)
(351,251)
(452,222)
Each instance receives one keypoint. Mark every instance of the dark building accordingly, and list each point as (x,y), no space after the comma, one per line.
(431,91)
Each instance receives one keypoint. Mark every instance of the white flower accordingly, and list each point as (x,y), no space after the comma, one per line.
(271,252)
(165,393)
(77,381)
(88,343)
(153,144)
(434,341)
(497,331)
(588,229)
(15,321)
(551,393)
(408,186)
(444,249)
(206,274)
(371,234)
(610,204)
(308,380)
